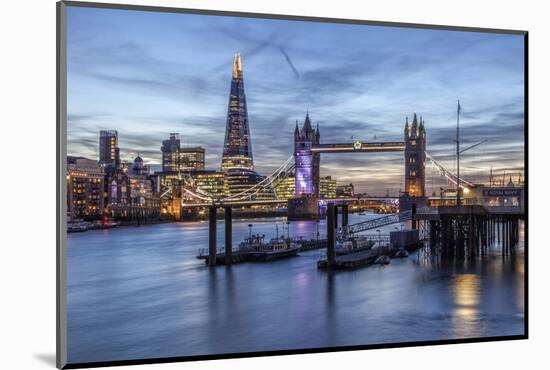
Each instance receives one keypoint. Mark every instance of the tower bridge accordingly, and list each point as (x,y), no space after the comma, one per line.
(308,148)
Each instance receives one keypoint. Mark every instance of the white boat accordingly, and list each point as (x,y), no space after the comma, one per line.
(77,225)
(348,244)
(276,248)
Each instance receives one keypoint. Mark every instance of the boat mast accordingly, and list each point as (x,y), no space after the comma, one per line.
(457,156)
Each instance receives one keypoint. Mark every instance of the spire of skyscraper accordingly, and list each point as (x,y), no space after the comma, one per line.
(237,149)
(237,66)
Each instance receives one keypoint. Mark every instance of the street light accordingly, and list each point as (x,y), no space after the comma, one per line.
(379,238)
(249,230)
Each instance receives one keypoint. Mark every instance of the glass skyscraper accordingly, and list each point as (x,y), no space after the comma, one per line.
(237,160)
(237,149)
(109,153)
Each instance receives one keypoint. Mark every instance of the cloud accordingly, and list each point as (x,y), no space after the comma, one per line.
(150,74)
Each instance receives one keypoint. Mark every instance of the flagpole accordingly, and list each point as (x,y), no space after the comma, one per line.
(457,156)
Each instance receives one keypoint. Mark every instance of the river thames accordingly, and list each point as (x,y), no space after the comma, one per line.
(139,292)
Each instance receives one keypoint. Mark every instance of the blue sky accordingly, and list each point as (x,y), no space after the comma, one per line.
(148,74)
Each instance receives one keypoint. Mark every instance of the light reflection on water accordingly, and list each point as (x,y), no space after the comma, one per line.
(466,293)
(141,293)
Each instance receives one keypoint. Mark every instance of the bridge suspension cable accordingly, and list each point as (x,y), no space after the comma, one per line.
(266,183)
(448,174)
(278,174)
(197,195)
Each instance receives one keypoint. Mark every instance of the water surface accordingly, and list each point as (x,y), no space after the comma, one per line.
(139,292)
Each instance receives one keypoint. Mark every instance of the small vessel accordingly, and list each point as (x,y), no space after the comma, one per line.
(382,260)
(105,224)
(75,225)
(346,245)
(276,248)
(401,253)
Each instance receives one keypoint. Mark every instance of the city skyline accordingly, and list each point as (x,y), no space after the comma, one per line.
(146,83)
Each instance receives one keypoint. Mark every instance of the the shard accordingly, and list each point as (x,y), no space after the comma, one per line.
(237,149)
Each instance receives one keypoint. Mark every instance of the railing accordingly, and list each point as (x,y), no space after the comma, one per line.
(427,210)
(504,209)
(377,238)
(204,252)
(378,222)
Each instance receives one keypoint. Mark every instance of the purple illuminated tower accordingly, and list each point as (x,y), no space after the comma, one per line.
(307,162)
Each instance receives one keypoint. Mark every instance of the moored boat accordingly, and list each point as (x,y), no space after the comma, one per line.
(401,253)
(77,225)
(105,224)
(382,260)
(276,248)
(349,245)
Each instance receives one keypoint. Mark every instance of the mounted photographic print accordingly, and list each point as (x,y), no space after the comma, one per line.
(234,184)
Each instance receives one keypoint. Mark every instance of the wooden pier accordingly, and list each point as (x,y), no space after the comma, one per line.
(468,231)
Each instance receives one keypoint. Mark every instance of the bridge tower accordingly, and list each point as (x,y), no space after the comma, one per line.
(307,171)
(415,168)
(305,206)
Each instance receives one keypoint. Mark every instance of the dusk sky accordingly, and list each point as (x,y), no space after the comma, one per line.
(148,74)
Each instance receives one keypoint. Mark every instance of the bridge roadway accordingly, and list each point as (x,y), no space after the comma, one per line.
(241,203)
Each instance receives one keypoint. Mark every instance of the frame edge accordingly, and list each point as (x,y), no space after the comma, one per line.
(61,222)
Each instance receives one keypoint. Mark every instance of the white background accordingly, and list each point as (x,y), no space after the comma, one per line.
(27,197)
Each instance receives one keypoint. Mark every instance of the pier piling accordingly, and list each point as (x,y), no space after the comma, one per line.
(345,212)
(331,222)
(228,236)
(469,231)
(212,213)
(335,215)
(413,211)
